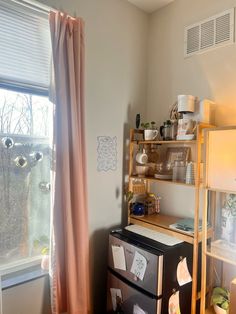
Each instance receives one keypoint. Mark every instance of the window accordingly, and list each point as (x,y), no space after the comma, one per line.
(25,158)
(25,129)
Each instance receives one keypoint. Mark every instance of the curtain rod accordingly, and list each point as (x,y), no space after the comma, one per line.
(35,5)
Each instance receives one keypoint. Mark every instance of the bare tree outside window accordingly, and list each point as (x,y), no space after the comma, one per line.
(24,114)
(26,120)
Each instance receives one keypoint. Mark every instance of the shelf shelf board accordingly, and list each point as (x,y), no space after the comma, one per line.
(161,223)
(222,251)
(165,142)
(159,180)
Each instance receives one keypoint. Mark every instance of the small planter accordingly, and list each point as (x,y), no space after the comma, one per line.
(45,262)
(219,310)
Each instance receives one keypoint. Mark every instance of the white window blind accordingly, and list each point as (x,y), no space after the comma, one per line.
(25,47)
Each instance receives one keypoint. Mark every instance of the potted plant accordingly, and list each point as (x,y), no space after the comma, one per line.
(45,258)
(150,130)
(41,246)
(220,300)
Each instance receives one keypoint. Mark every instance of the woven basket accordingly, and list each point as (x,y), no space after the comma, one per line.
(139,188)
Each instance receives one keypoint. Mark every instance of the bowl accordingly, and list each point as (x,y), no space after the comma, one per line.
(141,170)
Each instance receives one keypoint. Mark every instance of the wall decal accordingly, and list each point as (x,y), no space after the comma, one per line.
(107,153)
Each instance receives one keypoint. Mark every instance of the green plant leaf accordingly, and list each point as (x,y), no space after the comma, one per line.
(45,251)
(220,291)
(217,299)
(225,305)
(129,196)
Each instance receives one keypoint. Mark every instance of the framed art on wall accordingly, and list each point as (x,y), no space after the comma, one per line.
(177,153)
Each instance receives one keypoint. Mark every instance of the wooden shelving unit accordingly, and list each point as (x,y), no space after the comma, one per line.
(161,222)
(220,182)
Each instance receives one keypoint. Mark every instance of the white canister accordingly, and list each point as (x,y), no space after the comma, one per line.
(142,158)
(186,103)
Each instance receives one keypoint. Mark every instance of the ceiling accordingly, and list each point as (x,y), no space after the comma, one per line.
(150,6)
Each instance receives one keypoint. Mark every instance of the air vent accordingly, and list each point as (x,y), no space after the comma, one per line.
(216,31)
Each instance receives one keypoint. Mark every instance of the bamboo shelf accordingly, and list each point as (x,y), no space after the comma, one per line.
(162,222)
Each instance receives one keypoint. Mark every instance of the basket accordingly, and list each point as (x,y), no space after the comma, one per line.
(139,188)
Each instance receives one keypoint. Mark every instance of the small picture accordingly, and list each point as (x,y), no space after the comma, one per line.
(177,153)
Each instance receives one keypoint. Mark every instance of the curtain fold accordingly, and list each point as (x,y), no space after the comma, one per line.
(70,251)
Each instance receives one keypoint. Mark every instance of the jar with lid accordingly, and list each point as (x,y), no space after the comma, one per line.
(152,204)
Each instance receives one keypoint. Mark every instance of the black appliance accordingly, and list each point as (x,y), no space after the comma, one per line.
(152,293)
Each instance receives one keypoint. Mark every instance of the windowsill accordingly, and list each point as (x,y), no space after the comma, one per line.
(21,277)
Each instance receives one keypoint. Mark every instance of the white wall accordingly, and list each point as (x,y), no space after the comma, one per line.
(30,298)
(116,68)
(208,75)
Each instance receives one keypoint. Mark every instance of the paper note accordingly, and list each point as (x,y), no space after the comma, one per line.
(139,265)
(138,310)
(116,297)
(183,275)
(118,257)
(174,304)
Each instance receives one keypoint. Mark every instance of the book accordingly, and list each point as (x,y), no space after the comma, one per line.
(186,225)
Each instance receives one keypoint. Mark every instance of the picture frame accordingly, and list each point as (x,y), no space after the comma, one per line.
(177,153)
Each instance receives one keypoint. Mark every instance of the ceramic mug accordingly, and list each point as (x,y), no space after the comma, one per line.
(141,158)
(150,135)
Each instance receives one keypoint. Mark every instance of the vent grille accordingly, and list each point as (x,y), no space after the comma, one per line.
(216,31)
(193,39)
(223,28)
(207,34)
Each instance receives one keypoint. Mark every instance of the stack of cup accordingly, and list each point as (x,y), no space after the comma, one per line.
(190,173)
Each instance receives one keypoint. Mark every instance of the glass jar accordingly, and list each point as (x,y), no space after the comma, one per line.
(179,171)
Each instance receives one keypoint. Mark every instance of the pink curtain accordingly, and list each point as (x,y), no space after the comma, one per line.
(70,252)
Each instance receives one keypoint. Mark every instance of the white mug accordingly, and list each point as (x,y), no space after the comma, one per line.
(150,135)
(141,158)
